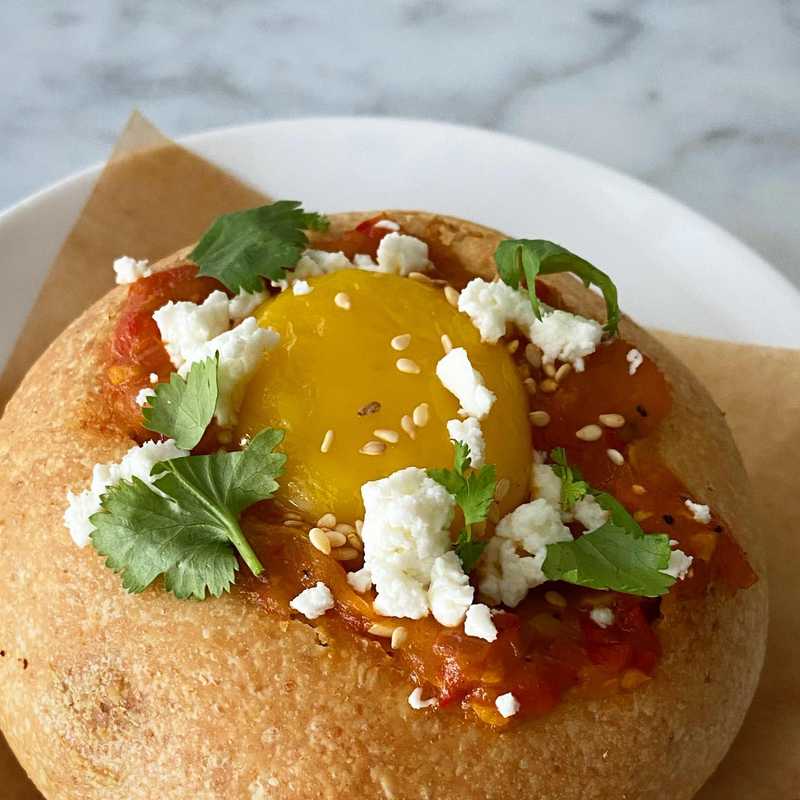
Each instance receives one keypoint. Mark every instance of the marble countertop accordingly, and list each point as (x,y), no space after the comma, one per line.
(700,98)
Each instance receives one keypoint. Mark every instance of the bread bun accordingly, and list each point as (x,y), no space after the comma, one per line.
(106,695)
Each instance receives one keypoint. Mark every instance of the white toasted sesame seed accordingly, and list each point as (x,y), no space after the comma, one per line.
(589,433)
(399,637)
(548,386)
(501,489)
(153,377)
(615,456)
(354,540)
(452,295)
(292,515)
(379,629)
(539,418)
(562,372)
(513,346)
(549,370)
(533,355)
(320,540)
(638,489)
(408,366)
(447,344)
(420,415)
(327,441)
(407,424)
(294,523)
(401,341)
(342,300)
(612,420)
(372,448)
(420,276)
(344,527)
(386,435)
(336,539)
(327,521)
(345,553)
(530,385)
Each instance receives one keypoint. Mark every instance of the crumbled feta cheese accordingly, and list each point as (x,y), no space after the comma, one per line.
(365,262)
(360,580)
(185,326)
(492,305)
(546,484)
(400,254)
(313,602)
(450,593)
(679,563)
(417,703)
(406,527)
(479,623)
(240,350)
(301,287)
(533,525)
(244,304)
(143,395)
(566,337)
(635,360)
(460,378)
(589,513)
(138,462)
(700,513)
(469,431)
(602,616)
(387,225)
(129,269)
(320,262)
(507,705)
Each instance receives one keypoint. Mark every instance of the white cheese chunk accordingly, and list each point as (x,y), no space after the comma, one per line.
(406,528)
(588,512)
(458,376)
(143,395)
(320,262)
(128,269)
(360,580)
(479,623)
(301,287)
(387,225)
(565,337)
(244,304)
(153,377)
(417,703)
(507,705)
(399,254)
(313,602)
(700,513)
(365,262)
(602,616)
(679,563)
(493,305)
(138,462)
(635,360)
(469,432)
(450,593)
(533,525)
(546,484)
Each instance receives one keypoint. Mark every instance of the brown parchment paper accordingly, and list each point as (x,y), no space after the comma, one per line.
(154,197)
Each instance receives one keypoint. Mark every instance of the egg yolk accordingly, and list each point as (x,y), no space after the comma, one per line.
(335,369)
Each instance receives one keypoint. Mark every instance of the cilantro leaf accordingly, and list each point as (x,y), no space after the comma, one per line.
(610,558)
(187,530)
(241,248)
(183,408)
(473,491)
(573,487)
(518,258)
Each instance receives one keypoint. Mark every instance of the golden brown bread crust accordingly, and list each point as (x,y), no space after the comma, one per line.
(113,696)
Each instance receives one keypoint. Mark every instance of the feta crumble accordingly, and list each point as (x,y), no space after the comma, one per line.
(469,431)
(458,376)
(450,593)
(129,270)
(635,360)
(319,262)
(546,484)
(244,304)
(400,254)
(360,580)
(679,563)
(565,337)
(588,512)
(143,395)
(602,616)
(417,703)
(507,705)
(493,305)
(138,462)
(700,513)
(479,623)
(301,287)
(313,602)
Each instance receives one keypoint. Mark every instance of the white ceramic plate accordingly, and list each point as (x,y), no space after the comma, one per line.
(675,270)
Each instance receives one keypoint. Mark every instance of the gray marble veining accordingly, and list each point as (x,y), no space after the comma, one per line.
(698,97)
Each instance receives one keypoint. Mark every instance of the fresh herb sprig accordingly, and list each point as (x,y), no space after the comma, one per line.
(243,248)
(526,258)
(473,490)
(573,487)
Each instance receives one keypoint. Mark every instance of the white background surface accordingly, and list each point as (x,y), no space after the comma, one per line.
(701,98)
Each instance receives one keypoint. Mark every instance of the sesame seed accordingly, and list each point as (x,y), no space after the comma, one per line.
(589,433)
(407,424)
(327,521)
(555,599)
(548,386)
(408,366)
(615,456)
(401,341)
(612,420)
(386,435)
(320,540)
(533,355)
(345,527)
(447,344)
(540,419)
(638,489)
(342,300)
(513,346)
(345,553)
(399,637)
(327,441)
(452,295)
(354,540)
(549,370)
(379,629)
(291,515)
(501,489)
(419,276)
(562,372)
(336,539)
(359,523)
(372,448)
(530,385)
(294,523)
(420,415)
